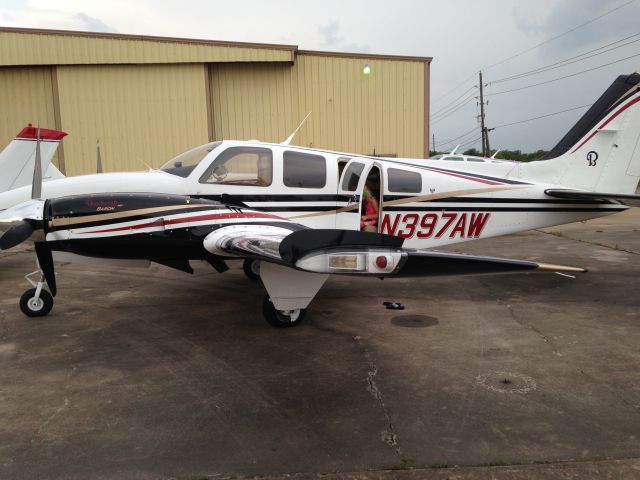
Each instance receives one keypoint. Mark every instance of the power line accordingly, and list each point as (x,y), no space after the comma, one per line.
(454,88)
(560,35)
(451,112)
(564,76)
(567,61)
(446,142)
(542,116)
(453,108)
(533,48)
(453,101)
(470,142)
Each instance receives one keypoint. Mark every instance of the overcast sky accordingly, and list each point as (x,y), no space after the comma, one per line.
(462,36)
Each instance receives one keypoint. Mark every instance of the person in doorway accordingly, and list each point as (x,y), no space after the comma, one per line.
(369,221)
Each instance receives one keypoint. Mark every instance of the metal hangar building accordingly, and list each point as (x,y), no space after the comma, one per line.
(147,99)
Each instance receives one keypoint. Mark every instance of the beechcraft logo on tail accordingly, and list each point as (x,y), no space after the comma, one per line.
(434,225)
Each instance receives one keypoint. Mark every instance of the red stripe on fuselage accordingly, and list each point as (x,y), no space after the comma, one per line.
(635,100)
(195,218)
(466,177)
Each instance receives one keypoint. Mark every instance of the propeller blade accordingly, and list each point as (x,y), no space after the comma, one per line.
(45,260)
(17,234)
(36,186)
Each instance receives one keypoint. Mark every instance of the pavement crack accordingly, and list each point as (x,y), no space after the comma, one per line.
(388,435)
(588,242)
(538,332)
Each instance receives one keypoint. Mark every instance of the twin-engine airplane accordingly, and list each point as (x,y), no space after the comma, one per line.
(300,213)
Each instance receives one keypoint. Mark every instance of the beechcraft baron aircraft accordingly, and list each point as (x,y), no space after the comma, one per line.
(298,210)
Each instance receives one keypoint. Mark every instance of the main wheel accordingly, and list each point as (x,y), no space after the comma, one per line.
(36,308)
(280,318)
(252,269)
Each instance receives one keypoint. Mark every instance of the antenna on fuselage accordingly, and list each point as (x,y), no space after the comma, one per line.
(454,150)
(290,137)
(497,152)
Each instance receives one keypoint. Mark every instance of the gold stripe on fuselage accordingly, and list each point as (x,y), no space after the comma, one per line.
(99,217)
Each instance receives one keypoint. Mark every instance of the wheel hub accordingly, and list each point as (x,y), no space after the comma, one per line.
(35,304)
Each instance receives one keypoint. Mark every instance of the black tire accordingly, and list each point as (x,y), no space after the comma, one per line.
(252,269)
(42,308)
(277,319)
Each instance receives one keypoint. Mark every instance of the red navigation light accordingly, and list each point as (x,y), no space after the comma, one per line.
(381,261)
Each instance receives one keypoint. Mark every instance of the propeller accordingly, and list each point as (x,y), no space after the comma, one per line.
(17,234)
(23,219)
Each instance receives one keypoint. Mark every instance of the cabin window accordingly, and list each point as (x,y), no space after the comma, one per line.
(352,176)
(403,181)
(455,159)
(475,159)
(249,166)
(304,170)
(183,164)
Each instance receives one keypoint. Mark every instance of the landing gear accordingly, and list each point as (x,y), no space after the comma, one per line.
(252,269)
(36,302)
(281,318)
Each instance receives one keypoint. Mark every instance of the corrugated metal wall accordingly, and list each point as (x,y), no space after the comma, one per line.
(26,96)
(64,48)
(142,114)
(383,111)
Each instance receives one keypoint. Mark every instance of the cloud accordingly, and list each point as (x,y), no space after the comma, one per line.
(92,24)
(333,39)
(53,19)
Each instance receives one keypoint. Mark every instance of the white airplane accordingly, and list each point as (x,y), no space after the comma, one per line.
(299,213)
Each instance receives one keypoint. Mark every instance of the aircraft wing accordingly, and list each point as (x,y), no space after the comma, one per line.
(348,252)
(593,196)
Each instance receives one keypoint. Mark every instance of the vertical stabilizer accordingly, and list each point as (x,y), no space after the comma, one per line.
(601,153)
(18,158)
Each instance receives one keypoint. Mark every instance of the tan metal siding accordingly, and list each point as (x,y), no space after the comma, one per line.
(251,102)
(352,112)
(40,48)
(26,96)
(142,115)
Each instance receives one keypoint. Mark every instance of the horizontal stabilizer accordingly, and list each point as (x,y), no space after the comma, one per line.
(593,196)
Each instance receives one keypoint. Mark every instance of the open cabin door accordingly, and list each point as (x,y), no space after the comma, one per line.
(350,191)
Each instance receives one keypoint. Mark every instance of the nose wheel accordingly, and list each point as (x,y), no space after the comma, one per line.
(281,318)
(36,302)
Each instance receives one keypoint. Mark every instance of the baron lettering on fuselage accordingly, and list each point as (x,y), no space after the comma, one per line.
(305,213)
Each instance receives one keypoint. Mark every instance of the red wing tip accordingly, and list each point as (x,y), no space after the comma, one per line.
(30,132)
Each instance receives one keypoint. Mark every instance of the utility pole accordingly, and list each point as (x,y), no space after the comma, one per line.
(433,142)
(485,134)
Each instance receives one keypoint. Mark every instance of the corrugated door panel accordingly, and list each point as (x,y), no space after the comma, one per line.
(26,96)
(142,114)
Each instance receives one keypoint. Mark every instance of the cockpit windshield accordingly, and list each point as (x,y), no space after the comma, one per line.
(183,164)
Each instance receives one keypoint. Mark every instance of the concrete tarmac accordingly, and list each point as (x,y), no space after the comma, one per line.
(152,373)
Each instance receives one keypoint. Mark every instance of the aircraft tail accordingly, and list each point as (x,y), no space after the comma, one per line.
(601,153)
(17,159)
